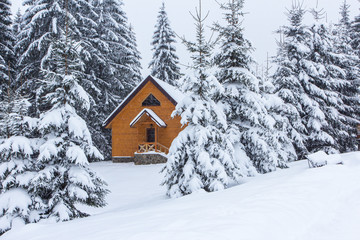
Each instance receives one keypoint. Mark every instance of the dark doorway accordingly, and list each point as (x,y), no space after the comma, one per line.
(150,133)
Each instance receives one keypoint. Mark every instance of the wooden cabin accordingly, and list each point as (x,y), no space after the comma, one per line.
(142,127)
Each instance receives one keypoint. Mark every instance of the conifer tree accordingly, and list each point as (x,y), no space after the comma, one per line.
(355,34)
(242,98)
(278,136)
(111,72)
(201,157)
(42,22)
(290,71)
(112,39)
(164,64)
(345,69)
(17,27)
(6,47)
(314,78)
(345,16)
(18,206)
(331,122)
(63,177)
(17,24)
(112,66)
(320,99)
(133,59)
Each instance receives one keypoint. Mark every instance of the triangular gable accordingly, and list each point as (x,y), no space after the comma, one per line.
(152,115)
(170,93)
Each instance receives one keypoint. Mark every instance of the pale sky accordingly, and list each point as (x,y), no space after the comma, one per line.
(263,18)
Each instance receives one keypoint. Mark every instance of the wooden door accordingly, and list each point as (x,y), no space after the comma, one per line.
(150,135)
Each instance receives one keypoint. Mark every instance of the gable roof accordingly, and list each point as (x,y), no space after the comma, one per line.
(169,91)
(152,115)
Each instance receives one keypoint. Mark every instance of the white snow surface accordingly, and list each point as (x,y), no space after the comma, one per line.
(295,203)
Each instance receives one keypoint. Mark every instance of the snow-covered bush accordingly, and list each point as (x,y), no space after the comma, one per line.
(320,159)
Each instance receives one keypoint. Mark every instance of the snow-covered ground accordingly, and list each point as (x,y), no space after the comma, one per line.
(296,203)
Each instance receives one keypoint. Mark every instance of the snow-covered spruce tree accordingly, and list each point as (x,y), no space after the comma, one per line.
(355,34)
(109,67)
(164,64)
(16,29)
(281,142)
(6,47)
(17,150)
(345,69)
(245,107)
(133,59)
(100,28)
(112,39)
(294,47)
(345,16)
(42,22)
(63,179)
(17,24)
(201,156)
(327,126)
(278,134)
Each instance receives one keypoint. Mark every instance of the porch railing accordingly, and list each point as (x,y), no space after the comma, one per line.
(152,147)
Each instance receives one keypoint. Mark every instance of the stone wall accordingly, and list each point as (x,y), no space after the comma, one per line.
(143,159)
(122,159)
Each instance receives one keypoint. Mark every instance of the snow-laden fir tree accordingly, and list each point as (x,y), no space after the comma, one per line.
(345,69)
(325,116)
(112,39)
(110,70)
(312,79)
(245,107)
(63,179)
(355,34)
(280,141)
(6,47)
(345,16)
(290,63)
(16,29)
(133,59)
(42,22)
(16,26)
(201,156)
(107,49)
(164,63)
(18,206)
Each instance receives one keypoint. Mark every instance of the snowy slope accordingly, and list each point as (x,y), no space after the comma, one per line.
(296,203)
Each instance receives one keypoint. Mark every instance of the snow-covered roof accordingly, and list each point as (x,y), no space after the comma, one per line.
(151,114)
(171,92)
